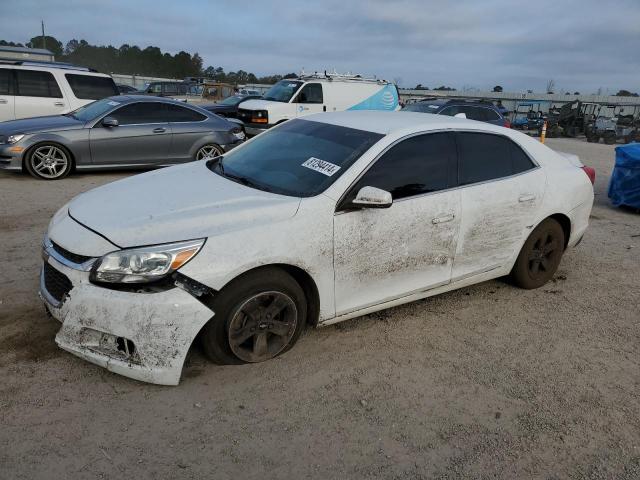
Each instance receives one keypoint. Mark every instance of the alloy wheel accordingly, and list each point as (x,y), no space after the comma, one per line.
(208,151)
(544,255)
(262,326)
(49,161)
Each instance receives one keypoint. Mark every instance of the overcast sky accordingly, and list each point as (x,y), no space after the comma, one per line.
(580,44)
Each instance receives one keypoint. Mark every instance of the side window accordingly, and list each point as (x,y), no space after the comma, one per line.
(6,81)
(182,114)
(171,88)
(484,156)
(34,83)
(310,93)
(421,164)
(140,113)
(88,87)
(520,161)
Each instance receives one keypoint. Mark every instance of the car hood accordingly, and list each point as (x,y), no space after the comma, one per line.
(40,124)
(176,203)
(218,108)
(258,104)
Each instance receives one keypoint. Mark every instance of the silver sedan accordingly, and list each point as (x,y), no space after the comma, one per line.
(115,132)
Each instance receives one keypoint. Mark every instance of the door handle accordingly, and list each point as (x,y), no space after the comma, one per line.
(3,100)
(324,108)
(59,104)
(159,130)
(527,197)
(443,219)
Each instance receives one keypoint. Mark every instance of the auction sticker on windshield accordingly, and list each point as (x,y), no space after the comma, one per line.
(326,168)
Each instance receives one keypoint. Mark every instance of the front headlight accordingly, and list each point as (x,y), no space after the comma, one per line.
(144,264)
(15,138)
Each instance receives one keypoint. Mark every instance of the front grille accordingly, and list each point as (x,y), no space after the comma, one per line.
(72,257)
(56,283)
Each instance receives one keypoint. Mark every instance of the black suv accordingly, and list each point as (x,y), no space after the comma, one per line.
(473,109)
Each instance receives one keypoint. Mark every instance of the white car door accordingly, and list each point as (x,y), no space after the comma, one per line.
(310,100)
(7,99)
(502,189)
(37,94)
(382,254)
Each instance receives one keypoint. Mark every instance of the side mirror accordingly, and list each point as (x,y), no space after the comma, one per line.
(460,115)
(110,122)
(372,197)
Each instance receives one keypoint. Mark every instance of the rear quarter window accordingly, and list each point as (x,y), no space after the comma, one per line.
(6,76)
(87,87)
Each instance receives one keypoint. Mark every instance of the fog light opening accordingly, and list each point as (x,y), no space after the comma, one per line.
(125,345)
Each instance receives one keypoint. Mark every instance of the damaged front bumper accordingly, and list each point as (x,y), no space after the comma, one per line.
(141,335)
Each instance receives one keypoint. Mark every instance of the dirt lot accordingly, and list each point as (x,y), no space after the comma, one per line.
(485,382)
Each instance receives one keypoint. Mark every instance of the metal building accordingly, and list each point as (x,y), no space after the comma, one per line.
(24,53)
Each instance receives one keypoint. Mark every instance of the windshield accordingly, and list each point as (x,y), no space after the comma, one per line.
(233,100)
(282,91)
(421,107)
(93,110)
(301,158)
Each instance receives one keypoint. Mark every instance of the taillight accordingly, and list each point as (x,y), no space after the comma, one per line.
(507,123)
(591,173)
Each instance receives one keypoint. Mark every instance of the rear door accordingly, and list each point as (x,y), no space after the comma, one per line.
(383,254)
(143,136)
(188,127)
(310,100)
(7,98)
(38,94)
(502,189)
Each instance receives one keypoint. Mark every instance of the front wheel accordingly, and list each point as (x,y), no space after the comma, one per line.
(257,317)
(49,162)
(208,151)
(540,255)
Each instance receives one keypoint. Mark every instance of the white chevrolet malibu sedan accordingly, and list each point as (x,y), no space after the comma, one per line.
(316,221)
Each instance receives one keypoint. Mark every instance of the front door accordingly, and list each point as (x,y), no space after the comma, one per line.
(501,192)
(310,100)
(143,136)
(383,254)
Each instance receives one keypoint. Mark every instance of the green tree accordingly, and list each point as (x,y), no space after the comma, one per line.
(50,43)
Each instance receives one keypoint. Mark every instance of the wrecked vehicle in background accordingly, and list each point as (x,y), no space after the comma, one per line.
(318,220)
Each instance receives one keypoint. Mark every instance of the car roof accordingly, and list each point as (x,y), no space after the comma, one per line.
(385,122)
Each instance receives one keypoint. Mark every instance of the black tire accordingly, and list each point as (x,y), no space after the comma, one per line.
(48,161)
(591,138)
(255,293)
(609,138)
(540,255)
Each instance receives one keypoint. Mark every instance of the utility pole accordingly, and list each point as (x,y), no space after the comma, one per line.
(44,39)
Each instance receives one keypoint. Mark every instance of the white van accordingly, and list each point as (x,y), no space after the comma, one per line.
(316,93)
(34,89)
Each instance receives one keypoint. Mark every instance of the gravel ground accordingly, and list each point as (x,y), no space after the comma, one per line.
(485,382)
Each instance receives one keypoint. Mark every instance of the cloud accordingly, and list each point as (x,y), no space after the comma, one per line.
(581,44)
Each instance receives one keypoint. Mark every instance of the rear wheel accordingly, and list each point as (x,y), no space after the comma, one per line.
(257,317)
(208,151)
(540,255)
(49,162)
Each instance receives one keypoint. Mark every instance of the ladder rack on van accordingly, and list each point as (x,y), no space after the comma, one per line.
(35,63)
(339,76)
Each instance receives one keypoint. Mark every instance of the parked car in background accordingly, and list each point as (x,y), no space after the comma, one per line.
(318,220)
(294,98)
(125,89)
(33,89)
(165,89)
(229,106)
(115,132)
(473,110)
